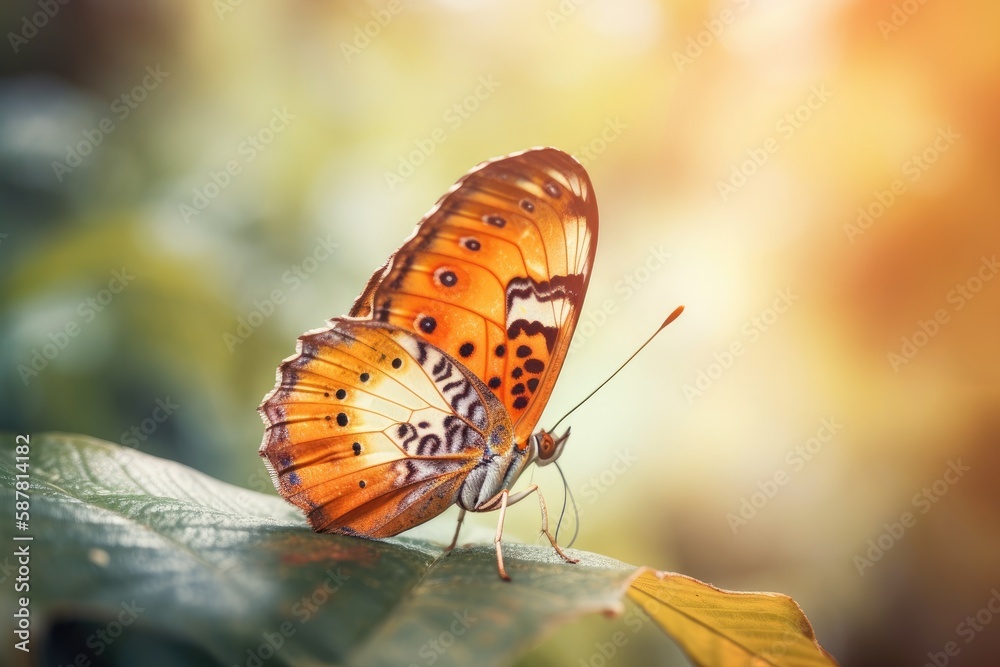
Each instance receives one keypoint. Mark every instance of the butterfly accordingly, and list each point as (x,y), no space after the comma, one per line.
(428,392)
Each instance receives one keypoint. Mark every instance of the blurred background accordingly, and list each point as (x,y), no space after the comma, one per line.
(185,187)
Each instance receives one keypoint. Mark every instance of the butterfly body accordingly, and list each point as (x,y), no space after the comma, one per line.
(428,393)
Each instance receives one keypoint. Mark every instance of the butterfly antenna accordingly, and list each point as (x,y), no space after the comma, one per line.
(568,495)
(670,318)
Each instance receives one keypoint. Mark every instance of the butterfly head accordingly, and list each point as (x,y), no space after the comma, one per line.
(546,448)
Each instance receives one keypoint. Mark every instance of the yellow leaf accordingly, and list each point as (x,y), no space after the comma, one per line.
(718,628)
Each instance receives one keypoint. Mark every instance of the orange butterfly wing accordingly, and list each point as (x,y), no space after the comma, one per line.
(382,420)
(371,430)
(495,275)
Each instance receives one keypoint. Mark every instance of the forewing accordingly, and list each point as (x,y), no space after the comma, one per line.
(495,275)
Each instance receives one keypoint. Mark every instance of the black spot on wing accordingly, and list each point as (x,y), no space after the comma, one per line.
(524,327)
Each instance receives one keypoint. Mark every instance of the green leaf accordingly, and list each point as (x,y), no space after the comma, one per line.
(232,571)
(137,560)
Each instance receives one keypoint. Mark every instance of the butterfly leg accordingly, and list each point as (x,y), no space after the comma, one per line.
(458,528)
(496,540)
(500,502)
(545,529)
